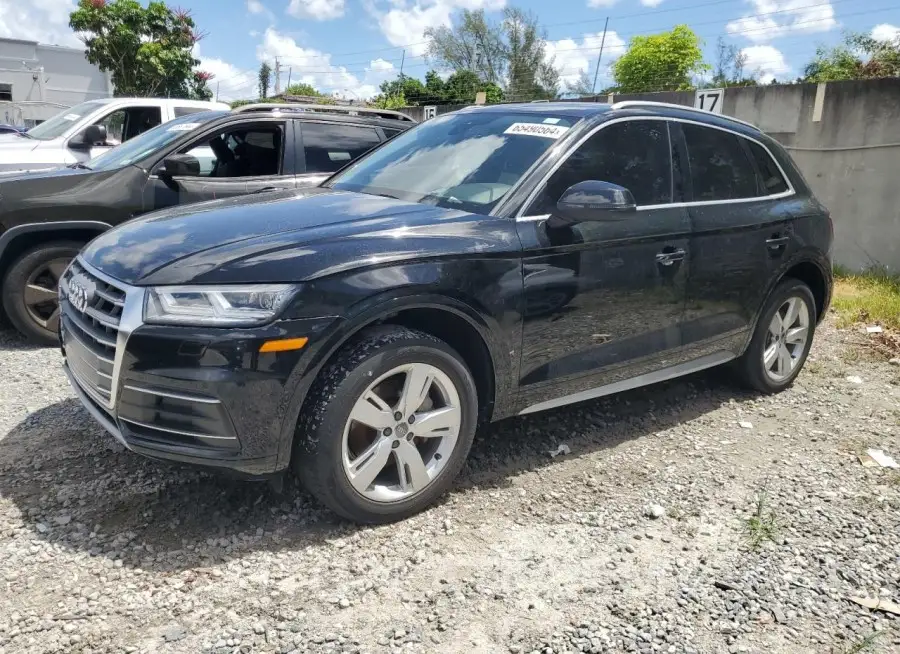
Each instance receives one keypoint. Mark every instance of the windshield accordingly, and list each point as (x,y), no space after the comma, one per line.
(63,121)
(151,141)
(465,160)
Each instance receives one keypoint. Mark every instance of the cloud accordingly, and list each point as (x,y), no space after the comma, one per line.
(651,3)
(570,57)
(45,21)
(772,19)
(405,25)
(256,7)
(230,82)
(765,62)
(603,3)
(885,32)
(316,9)
(313,67)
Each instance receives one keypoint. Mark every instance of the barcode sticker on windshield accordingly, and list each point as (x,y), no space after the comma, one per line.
(537,129)
(184,127)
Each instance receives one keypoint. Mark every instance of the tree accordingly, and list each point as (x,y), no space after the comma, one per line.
(512,53)
(581,87)
(410,88)
(660,62)
(390,102)
(859,56)
(265,77)
(472,44)
(147,51)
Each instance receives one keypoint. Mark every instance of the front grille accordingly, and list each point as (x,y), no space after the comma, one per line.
(90,335)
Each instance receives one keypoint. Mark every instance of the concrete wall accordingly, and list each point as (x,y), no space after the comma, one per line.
(45,79)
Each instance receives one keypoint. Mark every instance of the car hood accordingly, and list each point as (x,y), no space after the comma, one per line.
(231,241)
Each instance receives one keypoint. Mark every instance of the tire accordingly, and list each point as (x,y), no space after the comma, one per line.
(752,366)
(330,443)
(41,266)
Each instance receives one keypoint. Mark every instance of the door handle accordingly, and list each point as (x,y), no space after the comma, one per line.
(777,242)
(669,258)
(269,188)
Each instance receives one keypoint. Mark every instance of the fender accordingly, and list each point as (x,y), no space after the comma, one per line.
(342,329)
(12,233)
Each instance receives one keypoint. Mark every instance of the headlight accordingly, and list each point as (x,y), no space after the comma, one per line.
(217,306)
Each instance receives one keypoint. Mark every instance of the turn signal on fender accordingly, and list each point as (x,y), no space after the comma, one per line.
(284,345)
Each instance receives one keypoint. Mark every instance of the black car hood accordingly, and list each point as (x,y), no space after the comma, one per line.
(254,238)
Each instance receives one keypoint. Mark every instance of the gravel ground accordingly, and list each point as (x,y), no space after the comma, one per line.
(637,541)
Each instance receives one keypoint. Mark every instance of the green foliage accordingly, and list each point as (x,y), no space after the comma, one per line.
(583,86)
(660,62)
(511,53)
(859,56)
(240,103)
(265,77)
(729,69)
(390,102)
(147,51)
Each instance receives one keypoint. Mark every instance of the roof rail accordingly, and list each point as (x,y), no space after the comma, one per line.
(324,108)
(648,103)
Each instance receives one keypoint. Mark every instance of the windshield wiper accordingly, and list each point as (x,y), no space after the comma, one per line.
(80,165)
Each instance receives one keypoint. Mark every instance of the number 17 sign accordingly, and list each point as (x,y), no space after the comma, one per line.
(709,100)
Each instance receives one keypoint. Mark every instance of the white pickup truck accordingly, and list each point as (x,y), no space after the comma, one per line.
(84,131)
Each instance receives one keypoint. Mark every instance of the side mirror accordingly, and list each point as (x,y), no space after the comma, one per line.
(179,165)
(596,201)
(89,137)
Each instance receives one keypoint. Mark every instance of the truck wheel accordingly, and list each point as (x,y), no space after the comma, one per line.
(387,426)
(30,296)
(782,339)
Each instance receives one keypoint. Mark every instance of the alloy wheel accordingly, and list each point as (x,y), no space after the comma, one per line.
(786,339)
(401,432)
(41,295)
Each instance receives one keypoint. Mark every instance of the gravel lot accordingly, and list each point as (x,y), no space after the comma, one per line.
(637,541)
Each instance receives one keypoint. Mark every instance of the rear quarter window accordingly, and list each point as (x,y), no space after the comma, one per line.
(771,179)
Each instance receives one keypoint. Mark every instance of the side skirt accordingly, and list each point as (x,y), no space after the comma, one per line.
(708,361)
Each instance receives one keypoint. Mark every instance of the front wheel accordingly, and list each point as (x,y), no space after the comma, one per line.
(387,426)
(30,295)
(783,337)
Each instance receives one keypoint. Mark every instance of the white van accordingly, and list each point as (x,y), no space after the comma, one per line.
(79,133)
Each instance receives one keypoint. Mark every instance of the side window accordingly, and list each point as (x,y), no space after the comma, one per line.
(771,180)
(187,111)
(720,168)
(124,124)
(6,93)
(389,133)
(635,154)
(244,151)
(330,146)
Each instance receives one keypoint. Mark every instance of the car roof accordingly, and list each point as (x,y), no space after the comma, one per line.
(319,116)
(577,109)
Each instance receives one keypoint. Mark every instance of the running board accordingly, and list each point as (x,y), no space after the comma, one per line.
(708,361)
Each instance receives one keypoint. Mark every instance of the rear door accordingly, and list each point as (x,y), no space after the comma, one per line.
(236,159)
(329,146)
(605,298)
(741,221)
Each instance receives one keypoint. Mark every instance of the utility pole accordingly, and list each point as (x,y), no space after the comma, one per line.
(600,56)
(277,76)
(289,79)
(217,91)
(402,59)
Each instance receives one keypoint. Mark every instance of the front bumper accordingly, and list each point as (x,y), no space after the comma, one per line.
(200,396)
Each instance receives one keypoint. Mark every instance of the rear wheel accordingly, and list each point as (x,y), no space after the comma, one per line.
(30,295)
(387,427)
(782,339)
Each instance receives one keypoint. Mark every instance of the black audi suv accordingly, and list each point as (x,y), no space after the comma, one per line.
(490,262)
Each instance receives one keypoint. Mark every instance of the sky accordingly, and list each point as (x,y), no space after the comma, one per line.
(349,47)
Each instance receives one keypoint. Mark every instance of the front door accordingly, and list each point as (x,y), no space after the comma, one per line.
(234,160)
(604,301)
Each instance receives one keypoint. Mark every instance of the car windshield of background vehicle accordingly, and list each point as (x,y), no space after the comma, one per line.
(63,121)
(464,160)
(150,141)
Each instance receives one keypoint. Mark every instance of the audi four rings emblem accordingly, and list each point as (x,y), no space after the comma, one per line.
(78,295)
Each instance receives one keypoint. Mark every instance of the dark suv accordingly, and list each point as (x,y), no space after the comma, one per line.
(490,262)
(47,216)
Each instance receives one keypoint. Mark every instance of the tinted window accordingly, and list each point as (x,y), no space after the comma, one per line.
(240,152)
(187,111)
(390,133)
(771,179)
(633,154)
(330,146)
(720,168)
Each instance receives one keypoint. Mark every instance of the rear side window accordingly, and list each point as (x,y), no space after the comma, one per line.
(390,133)
(187,111)
(328,147)
(772,181)
(720,167)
